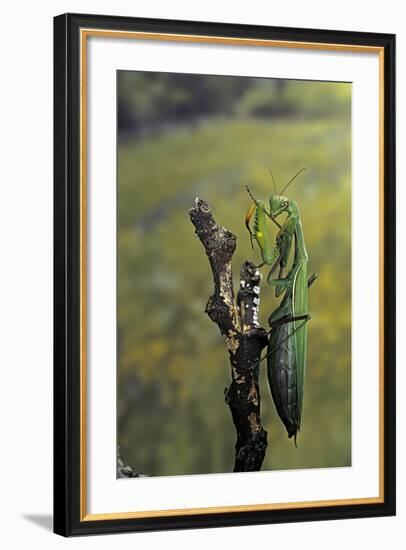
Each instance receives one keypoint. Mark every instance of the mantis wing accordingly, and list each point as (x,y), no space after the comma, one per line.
(300,307)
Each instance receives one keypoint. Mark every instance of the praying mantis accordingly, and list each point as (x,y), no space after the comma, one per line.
(287,342)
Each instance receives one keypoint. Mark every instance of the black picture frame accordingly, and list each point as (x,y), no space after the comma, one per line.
(68,519)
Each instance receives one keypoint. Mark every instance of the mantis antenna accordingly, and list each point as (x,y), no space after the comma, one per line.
(273,179)
(290,181)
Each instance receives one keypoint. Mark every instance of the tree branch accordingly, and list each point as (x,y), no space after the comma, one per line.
(244,338)
(125,471)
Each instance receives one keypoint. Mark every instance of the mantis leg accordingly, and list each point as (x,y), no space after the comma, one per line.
(311,280)
(262,207)
(306,320)
(285,244)
(283,284)
(248,217)
(289,319)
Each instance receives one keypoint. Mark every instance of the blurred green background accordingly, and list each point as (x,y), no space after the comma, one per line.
(182,136)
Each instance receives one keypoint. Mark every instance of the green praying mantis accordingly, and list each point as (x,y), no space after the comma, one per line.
(287,342)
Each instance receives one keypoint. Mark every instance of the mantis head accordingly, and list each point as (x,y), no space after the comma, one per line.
(278,204)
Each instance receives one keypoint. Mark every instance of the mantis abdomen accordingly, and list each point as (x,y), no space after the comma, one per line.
(282,376)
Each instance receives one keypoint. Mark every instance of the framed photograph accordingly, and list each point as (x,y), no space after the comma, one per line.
(224,274)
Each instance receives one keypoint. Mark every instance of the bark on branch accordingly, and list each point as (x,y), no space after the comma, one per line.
(244,338)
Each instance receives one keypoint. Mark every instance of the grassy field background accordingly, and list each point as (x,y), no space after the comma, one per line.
(172,364)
